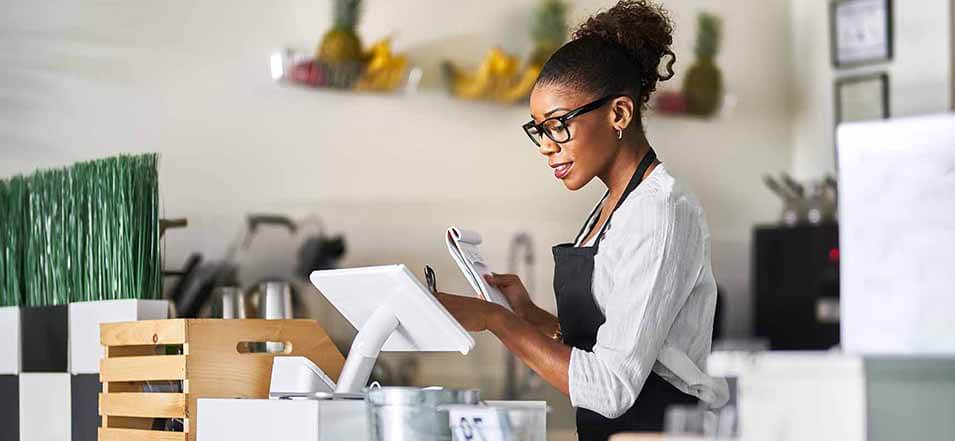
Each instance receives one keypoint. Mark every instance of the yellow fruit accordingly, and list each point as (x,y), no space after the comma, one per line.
(521,87)
(493,78)
(474,86)
(396,74)
(384,71)
(340,45)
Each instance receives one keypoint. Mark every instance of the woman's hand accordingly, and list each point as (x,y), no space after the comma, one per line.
(511,286)
(549,358)
(472,313)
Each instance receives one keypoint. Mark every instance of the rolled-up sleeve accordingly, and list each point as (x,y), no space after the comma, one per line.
(655,256)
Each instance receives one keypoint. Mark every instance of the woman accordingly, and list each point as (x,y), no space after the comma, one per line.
(635,290)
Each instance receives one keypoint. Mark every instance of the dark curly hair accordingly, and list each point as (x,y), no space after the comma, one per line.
(616,51)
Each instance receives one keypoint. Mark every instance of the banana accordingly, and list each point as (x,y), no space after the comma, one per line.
(486,81)
(384,70)
(520,87)
(497,78)
(453,75)
(474,86)
(395,74)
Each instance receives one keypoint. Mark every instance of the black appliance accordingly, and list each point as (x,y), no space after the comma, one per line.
(796,286)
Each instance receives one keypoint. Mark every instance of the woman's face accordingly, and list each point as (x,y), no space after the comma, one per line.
(593,138)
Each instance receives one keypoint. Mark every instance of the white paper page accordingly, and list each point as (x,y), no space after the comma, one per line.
(464,248)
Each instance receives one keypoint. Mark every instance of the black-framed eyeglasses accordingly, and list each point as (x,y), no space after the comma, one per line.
(555,127)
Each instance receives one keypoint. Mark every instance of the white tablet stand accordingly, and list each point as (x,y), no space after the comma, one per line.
(392,311)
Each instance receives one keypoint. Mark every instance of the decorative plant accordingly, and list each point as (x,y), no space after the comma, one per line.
(91,232)
(703,87)
(47,266)
(13,195)
(116,245)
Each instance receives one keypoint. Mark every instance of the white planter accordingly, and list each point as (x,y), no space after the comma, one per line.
(10,341)
(85,318)
(45,407)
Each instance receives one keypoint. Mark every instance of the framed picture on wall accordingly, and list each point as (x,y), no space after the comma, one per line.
(862,98)
(860,32)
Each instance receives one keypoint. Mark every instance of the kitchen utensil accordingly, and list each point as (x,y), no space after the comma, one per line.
(794,203)
(275,300)
(797,189)
(821,204)
(230,303)
(319,251)
(275,303)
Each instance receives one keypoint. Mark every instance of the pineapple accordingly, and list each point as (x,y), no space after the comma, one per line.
(549,30)
(703,86)
(341,43)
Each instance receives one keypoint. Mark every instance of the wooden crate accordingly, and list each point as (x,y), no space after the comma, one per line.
(214,363)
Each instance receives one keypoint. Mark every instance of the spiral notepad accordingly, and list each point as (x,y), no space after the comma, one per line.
(463,246)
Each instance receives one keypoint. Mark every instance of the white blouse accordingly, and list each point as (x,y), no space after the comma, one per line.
(654,284)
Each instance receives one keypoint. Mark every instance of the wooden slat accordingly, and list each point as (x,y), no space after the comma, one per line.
(154,405)
(121,422)
(124,386)
(126,351)
(147,368)
(107,434)
(145,332)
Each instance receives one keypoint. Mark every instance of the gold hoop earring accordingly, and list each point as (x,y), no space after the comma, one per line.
(619,134)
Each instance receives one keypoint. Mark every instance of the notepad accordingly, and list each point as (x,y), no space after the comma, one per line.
(464,248)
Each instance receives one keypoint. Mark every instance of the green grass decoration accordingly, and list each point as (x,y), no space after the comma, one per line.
(117,215)
(13,195)
(92,232)
(47,266)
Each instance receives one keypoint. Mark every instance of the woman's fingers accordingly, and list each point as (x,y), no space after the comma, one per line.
(501,280)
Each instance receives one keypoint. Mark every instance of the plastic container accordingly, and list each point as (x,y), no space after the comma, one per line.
(502,420)
(412,413)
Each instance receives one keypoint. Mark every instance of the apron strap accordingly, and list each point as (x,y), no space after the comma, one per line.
(590,219)
(635,180)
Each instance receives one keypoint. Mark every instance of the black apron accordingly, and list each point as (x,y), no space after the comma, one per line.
(580,317)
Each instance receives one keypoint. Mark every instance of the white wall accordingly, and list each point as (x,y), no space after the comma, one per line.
(190,80)
(920,74)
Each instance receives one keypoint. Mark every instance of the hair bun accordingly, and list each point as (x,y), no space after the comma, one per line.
(643,30)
